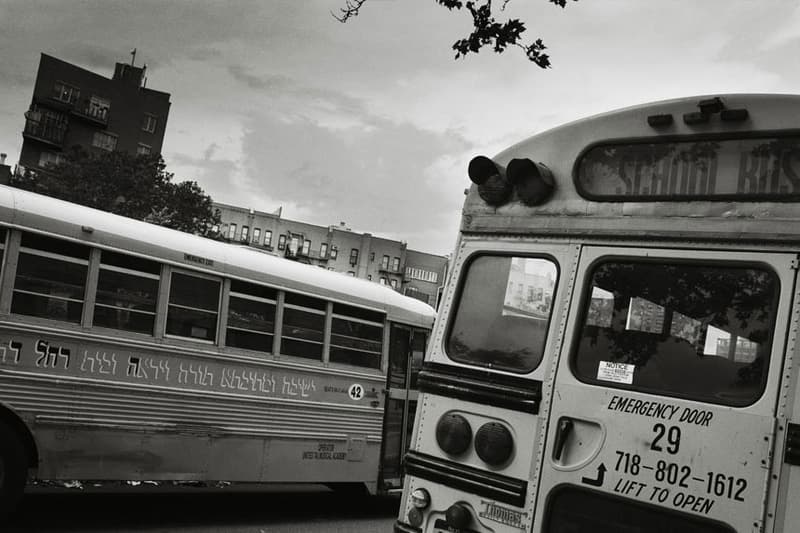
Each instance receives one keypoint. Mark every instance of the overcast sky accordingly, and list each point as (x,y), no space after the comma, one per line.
(275,103)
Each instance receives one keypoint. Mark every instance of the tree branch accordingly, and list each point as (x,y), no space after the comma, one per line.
(349,10)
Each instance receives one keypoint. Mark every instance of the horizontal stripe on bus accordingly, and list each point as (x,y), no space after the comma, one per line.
(467,478)
(481,386)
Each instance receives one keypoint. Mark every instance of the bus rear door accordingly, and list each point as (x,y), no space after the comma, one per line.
(406,351)
(663,412)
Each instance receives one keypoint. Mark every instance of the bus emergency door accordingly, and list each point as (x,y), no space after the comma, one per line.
(406,351)
(663,407)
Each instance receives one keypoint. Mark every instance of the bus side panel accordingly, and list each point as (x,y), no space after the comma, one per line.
(104,410)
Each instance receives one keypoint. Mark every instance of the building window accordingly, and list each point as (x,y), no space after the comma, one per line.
(334,252)
(383,280)
(215,228)
(281,242)
(66,93)
(105,141)
(306,247)
(422,275)
(143,149)
(372,257)
(268,238)
(256,235)
(353,256)
(385,262)
(149,123)
(369,277)
(323,250)
(232,231)
(50,158)
(396,264)
(98,108)
(245,233)
(393,283)
(351,273)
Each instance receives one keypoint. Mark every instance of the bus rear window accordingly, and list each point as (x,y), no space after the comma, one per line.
(686,330)
(503,312)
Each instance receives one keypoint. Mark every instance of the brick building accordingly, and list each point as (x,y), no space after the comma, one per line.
(73,106)
(389,262)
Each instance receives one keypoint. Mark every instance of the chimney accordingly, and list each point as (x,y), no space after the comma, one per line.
(3,159)
(129,74)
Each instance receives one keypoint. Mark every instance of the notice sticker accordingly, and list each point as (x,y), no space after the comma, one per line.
(616,372)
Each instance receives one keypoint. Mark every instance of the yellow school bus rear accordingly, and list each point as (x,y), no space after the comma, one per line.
(615,351)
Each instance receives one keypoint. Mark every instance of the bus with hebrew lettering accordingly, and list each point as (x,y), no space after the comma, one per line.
(617,345)
(130,351)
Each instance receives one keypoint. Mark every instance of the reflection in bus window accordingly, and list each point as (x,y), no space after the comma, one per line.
(127,288)
(701,332)
(356,336)
(193,307)
(251,316)
(51,278)
(503,313)
(302,332)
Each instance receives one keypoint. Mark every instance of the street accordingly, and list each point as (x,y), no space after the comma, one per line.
(189,510)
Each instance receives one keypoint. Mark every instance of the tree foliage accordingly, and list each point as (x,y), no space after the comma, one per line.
(135,186)
(487,31)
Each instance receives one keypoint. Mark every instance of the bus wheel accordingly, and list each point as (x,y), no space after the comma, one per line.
(13,470)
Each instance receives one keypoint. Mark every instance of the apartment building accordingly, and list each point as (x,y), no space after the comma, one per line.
(338,248)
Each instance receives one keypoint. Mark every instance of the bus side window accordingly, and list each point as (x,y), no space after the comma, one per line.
(302,331)
(193,307)
(251,316)
(127,291)
(356,336)
(51,278)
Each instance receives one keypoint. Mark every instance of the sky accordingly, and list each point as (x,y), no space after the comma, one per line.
(373,122)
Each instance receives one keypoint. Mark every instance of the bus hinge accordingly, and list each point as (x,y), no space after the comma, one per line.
(795,263)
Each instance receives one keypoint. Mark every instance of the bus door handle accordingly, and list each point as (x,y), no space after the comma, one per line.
(563,430)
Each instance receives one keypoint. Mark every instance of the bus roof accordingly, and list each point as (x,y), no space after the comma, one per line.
(40,213)
(569,210)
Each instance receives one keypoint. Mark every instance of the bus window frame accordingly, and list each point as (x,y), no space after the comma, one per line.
(582,311)
(166,283)
(669,138)
(454,307)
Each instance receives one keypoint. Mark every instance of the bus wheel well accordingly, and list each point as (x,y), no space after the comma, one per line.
(13,421)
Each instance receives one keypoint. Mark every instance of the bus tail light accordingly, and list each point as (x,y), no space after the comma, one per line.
(420,500)
(533,181)
(453,434)
(493,187)
(458,516)
(494,443)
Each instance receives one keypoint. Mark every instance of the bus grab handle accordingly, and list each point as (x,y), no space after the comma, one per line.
(562,433)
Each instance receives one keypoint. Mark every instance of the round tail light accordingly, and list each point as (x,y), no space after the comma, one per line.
(493,187)
(494,443)
(458,516)
(533,181)
(453,434)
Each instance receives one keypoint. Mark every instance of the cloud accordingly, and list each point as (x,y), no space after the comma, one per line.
(380,179)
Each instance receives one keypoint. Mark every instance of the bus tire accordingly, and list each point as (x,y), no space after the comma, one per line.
(13,469)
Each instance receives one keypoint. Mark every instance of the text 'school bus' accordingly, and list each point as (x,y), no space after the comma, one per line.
(616,349)
(130,351)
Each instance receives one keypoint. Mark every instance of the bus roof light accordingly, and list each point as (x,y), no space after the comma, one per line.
(711,106)
(659,121)
(493,187)
(734,115)
(533,181)
(696,117)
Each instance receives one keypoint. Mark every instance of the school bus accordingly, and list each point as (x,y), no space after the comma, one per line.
(615,349)
(130,351)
